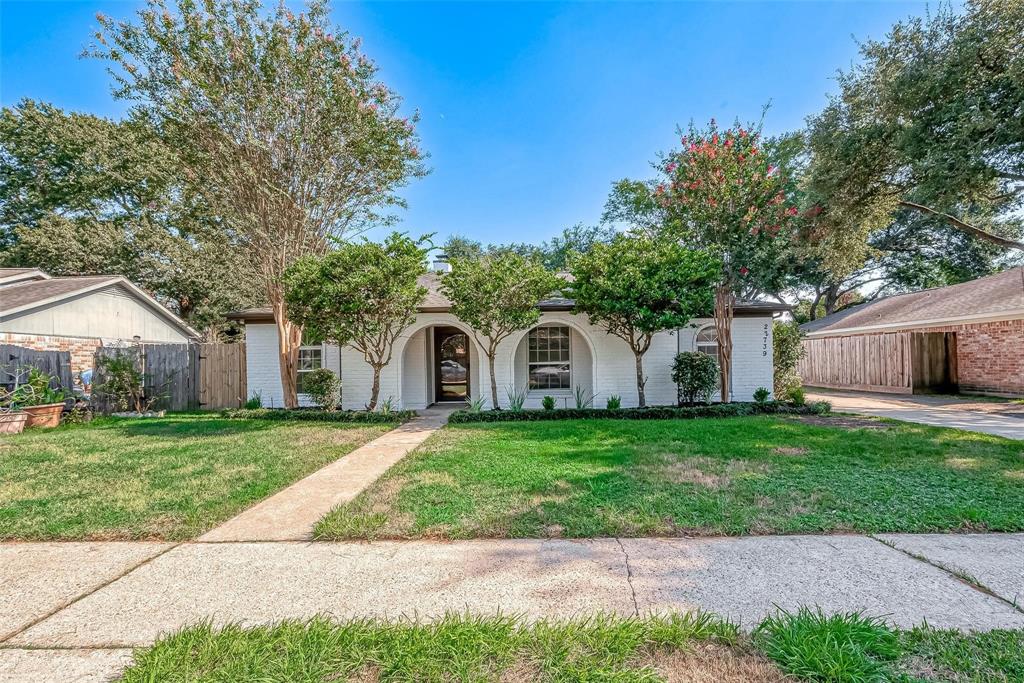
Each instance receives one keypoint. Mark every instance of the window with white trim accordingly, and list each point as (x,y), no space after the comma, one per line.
(706,341)
(311,357)
(548,358)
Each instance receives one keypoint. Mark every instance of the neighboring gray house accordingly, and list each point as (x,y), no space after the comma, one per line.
(436,359)
(80,313)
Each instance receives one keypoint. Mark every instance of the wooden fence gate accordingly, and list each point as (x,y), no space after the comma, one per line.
(222,380)
(170,372)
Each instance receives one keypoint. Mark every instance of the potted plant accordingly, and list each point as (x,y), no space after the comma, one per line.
(39,400)
(12,420)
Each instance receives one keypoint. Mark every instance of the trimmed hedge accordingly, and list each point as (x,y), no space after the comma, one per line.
(317,415)
(653,413)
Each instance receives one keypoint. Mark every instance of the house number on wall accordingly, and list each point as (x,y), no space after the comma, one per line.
(764,342)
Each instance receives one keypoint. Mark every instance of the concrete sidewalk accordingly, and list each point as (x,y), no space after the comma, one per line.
(78,619)
(291,514)
(929,410)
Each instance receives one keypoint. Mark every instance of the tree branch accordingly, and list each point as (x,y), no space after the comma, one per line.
(966,227)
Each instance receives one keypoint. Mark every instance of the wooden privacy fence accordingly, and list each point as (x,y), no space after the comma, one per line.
(893,362)
(184,376)
(14,360)
(222,380)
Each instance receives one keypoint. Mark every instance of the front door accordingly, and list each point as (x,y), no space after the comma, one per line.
(451,364)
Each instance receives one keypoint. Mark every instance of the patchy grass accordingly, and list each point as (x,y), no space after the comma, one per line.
(169,478)
(692,648)
(751,475)
(459,648)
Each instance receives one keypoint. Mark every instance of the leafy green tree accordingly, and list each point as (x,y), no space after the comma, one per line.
(722,194)
(84,195)
(787,350)
(281,123)
(636,286)
(363,295)
(929,123)
(553,254)
(497,294)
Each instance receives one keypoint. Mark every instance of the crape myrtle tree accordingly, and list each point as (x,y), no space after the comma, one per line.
(362,294)
(280,121)
(496,294)
(636,286)
(722,194)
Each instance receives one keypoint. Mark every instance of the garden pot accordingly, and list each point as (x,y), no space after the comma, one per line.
(13,422)
(47,415)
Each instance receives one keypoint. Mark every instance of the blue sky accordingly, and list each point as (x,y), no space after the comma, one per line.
(529,111)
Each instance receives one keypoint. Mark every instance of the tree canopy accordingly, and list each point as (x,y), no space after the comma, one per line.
(496,294)
(636,286)
(362,294)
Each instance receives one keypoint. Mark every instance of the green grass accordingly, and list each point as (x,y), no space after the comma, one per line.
(168,478)
(805,645)
(751,475)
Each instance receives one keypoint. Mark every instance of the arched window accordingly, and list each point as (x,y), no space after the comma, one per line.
(706,341)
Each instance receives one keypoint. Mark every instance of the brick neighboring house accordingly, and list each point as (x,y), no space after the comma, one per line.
(968,336)
(80,313)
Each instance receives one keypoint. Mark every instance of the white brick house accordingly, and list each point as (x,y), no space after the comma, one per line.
(436,359)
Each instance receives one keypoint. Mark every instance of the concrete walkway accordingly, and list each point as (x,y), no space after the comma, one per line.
(291,514)
(71,624)
(1006,420)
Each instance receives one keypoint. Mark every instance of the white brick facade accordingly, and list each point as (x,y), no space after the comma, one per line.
(602,364)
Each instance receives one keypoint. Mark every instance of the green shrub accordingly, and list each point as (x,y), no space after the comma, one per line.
(650,413)
(797,396)
(323,386)
(475,405)
(516,398)
(839,648)
(548,402)
(317,415)
(696,375)
(614,402)
(584,399)
(787,350)
(761,395)
(255,401)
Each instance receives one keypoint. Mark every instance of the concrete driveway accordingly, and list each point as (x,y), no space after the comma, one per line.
(1000,419)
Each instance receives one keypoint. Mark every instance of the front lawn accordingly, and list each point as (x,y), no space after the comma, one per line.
(752,475)
(804,646)
(167,478)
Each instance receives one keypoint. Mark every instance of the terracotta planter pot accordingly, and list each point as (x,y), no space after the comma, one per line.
(13,423)
(45,415)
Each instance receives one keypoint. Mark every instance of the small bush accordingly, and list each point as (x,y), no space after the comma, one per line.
(475,405)
(650,413)
(317,415)
(255,401)
(614,402)
(797,396)
(787,350)
(548,402)
(696,375)
(324,387)
(584,399)
(761,395)
(843,647)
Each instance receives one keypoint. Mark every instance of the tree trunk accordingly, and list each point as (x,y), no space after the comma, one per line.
(640,379)
(724,301)
(374,389)
(289,338)
(494,382)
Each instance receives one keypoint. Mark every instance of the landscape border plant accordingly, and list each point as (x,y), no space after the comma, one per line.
(317,415)
(648,413)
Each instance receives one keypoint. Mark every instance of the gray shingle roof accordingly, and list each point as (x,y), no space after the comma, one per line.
(21,294)
(987,296)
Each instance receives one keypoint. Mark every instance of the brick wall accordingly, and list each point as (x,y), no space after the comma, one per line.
(82,349)
(990,356)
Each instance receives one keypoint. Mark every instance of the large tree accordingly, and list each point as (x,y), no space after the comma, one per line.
(930,122)
(636,286)
(497,294)
(281,122)
(81,194)
(723,194)
(553,254)
(362,295)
